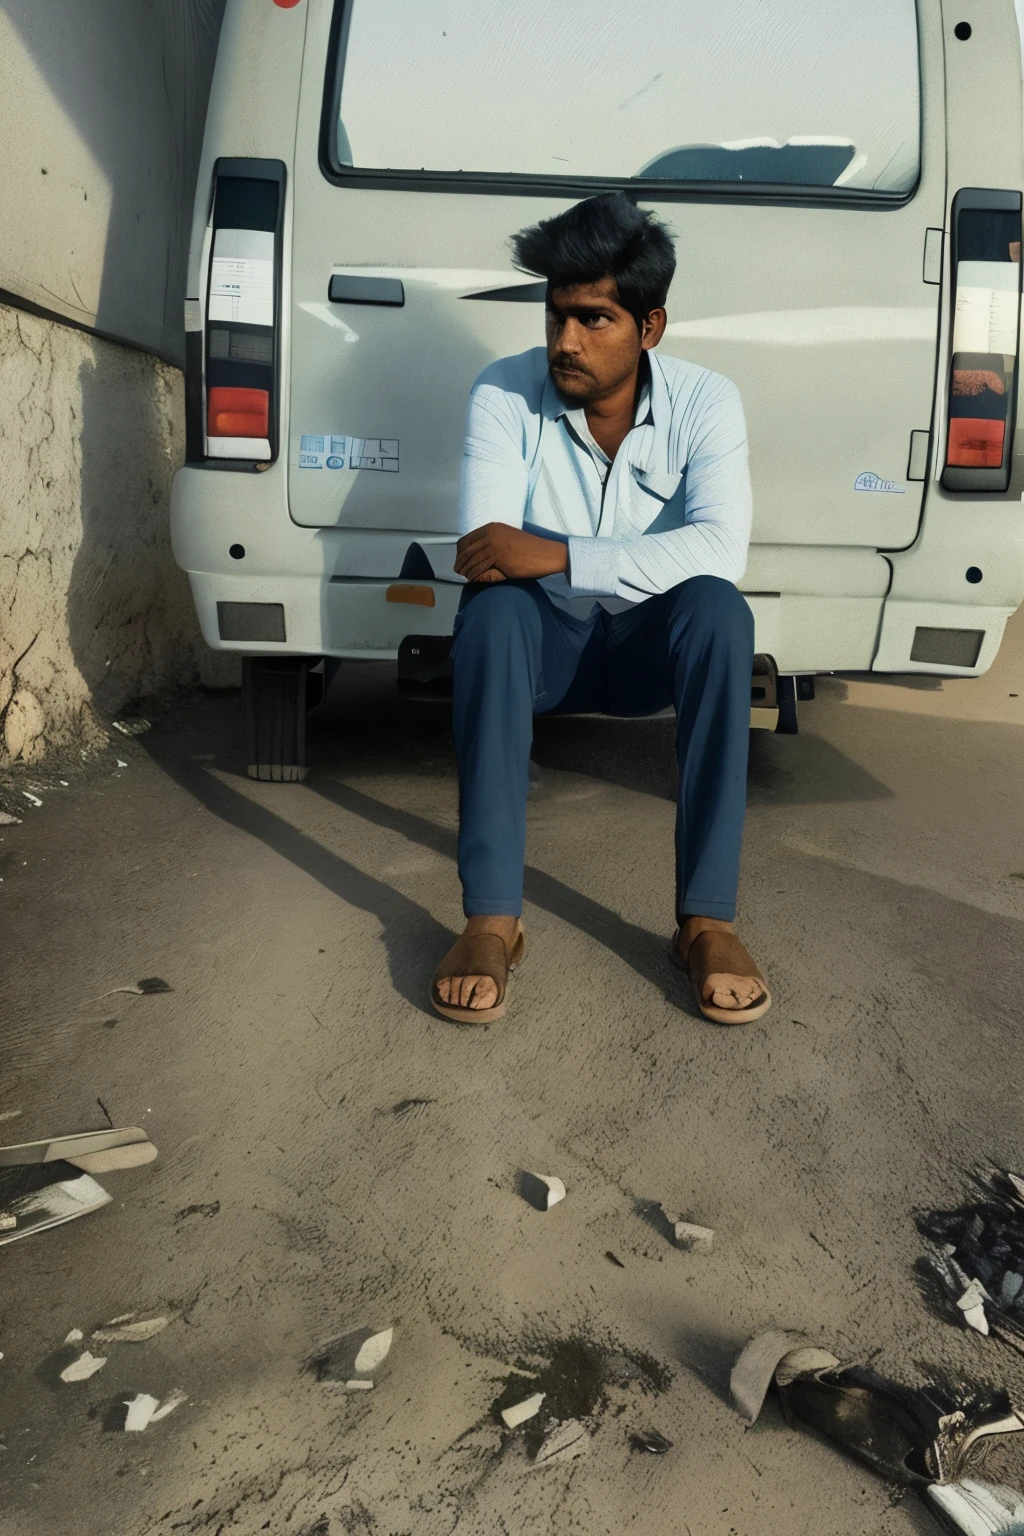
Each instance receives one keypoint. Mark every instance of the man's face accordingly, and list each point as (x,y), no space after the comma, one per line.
(594,345)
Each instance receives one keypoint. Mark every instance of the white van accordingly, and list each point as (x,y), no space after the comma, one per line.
(845,185)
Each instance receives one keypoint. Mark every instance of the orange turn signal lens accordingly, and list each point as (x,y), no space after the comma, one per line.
(237,412)
(423,596)
(975,443)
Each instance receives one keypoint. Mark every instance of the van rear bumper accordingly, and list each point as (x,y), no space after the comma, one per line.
(317,616)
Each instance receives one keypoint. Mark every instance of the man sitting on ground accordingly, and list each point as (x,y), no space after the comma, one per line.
(605,513)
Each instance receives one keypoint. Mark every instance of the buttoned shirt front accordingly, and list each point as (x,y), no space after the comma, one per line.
(674,503)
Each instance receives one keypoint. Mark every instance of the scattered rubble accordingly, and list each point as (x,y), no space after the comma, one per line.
(978,1256)
(85,1366)
(572,1378)
(147,987)
(689,1236)
(132,727)
(170,1402)
(32,799)
(141,1409)
(124,1331)
(564,1442)
(518,1413)
(353,1360)
(649,1440)
(541,1190)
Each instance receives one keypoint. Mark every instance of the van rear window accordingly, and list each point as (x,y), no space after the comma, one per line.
(816,93)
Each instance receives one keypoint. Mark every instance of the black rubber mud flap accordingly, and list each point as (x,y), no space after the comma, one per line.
(274,694)
(786,694)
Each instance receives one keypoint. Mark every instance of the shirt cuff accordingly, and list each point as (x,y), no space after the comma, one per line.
(594,566)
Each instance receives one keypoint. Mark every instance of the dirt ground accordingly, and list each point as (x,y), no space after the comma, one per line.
(334,1156)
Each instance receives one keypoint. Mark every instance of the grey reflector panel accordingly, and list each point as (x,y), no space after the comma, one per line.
(947,647)
(250,621)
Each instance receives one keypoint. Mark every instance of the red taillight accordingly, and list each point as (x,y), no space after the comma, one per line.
(975,443)
(237,412)
(982,399)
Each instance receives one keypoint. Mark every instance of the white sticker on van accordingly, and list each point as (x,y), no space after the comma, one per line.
(242,277)
(373,453)
(868,481)
(321,450)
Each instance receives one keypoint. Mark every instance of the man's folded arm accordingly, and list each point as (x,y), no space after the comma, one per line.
(714,536)
(495,479)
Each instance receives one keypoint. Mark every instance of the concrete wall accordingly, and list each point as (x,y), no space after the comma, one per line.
(101,119)
(95,612)
(102,107)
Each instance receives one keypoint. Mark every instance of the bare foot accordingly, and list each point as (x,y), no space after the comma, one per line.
(728,977)
(478,991)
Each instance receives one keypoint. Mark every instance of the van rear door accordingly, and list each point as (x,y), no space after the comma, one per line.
(790,148)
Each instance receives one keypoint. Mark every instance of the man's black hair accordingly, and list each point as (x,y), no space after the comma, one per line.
(605,236)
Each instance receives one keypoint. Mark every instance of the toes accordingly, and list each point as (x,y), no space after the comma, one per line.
(732,991)
(485,993)
(468,991)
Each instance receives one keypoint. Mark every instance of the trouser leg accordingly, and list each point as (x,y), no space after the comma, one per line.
(694,647)
(513,654)
(711,654)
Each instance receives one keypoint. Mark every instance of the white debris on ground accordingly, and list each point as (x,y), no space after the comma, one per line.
(520,1412)
(686,1234)
(126,1332)
(171,1401)
(972,1305)
(374,1352)
(551,1190)
(141,1409)
(85,1366)
(351,1360)
(565,1442)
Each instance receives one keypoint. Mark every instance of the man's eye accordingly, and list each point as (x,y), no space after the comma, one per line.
(596,322)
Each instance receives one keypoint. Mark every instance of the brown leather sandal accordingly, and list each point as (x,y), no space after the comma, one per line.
(721,1015)
(478,954)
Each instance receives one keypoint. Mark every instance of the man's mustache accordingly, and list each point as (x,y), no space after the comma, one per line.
(563,365)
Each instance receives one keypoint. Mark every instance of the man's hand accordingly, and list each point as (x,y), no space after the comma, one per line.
(497,552)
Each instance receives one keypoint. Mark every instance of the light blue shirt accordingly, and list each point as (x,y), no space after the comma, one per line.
(674,503)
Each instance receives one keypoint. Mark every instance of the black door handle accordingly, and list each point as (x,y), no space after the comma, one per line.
(346,289)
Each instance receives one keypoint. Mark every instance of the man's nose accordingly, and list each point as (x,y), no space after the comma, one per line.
(570,335)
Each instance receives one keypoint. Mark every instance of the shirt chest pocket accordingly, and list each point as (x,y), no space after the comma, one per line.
(658,499)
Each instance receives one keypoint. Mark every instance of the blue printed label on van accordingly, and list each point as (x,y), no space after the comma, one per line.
(321,450)
(867,480)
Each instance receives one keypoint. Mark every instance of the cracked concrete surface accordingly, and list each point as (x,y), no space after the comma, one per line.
(334,1156)
(94,610)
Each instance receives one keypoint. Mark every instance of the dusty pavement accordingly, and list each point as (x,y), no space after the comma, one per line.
(333,1156)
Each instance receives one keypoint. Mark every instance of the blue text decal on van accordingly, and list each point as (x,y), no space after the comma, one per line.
(867,480)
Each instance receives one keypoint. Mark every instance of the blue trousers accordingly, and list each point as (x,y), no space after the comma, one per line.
(516,655)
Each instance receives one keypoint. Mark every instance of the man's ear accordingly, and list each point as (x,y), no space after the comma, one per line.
(652,328)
